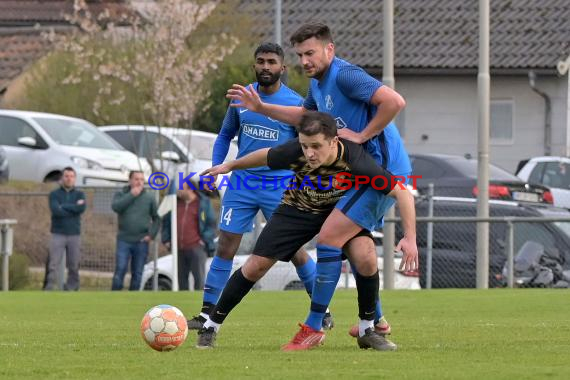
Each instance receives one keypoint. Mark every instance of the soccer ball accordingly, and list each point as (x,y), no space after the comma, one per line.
(164,328)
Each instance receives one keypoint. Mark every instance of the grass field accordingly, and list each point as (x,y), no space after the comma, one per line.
(494,334)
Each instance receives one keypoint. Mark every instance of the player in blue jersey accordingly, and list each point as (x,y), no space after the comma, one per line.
(363,109)
(321,162)
(251,190)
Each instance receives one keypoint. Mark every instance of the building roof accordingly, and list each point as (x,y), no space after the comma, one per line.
(428,34)
(46,12)
(19,50)
(23,21)
(433,34)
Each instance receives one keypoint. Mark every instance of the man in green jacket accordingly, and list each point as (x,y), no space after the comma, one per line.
(138,225)
(66,205)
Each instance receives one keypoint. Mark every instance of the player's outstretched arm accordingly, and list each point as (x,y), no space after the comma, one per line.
(247,97)
(407,244)
(252,160)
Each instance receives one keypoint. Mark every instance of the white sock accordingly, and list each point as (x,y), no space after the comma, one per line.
(204,315)
(328,311)
(363,325)
(209,323)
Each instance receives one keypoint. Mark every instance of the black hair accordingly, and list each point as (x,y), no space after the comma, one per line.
(312,29)
(269,47)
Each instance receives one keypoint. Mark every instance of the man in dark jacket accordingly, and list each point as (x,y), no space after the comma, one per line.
(196,229)
(66,205)
(138,225)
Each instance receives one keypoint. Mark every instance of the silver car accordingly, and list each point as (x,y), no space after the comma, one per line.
(4,168)
(40,145)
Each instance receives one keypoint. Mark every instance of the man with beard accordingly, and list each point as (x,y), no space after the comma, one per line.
(363,109)
(319,159)
(254,189)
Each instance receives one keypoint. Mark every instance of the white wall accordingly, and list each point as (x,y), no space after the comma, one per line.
(444,108)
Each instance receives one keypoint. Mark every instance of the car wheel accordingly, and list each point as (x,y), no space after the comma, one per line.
(295,285)
(52,177)
(164,283)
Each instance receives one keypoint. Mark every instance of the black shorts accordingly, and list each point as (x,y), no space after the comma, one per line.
(287,231)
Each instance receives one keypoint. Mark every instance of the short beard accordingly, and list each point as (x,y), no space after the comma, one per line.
(267,82)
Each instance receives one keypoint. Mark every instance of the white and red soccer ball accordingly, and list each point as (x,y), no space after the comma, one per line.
(164,328)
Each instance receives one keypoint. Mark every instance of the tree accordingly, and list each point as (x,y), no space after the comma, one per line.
(138,69)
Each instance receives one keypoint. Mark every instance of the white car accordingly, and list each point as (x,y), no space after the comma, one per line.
(4,166)
(282,276)
(183,151)
(39,145)
(550,171)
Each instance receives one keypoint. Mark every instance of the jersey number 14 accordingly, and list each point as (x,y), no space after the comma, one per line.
(226,216)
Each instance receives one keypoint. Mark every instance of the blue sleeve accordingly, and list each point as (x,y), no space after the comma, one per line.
(356,84)
(309,102)
(230,126)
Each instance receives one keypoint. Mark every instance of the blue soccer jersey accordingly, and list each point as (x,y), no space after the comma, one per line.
(345,92)
(251,190)
(256,131)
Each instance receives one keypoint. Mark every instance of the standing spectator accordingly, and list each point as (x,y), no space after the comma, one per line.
(138,225)
(66,205)
(196,229)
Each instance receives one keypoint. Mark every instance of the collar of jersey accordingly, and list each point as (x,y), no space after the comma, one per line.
(263,94)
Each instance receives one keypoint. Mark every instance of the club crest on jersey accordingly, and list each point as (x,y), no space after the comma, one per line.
(328,102)
(259,132)
(340,124)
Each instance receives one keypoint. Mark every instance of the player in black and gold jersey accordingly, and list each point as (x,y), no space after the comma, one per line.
(325,168)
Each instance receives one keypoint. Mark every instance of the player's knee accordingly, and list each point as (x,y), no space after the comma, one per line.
(300,258)
(228,245)
(326,237)
(254,269)
(366,265)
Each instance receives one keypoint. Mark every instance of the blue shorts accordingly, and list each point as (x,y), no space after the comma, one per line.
(241,204)
(366,206)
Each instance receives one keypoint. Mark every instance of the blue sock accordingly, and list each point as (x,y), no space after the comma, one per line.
(378,313)
(216,279)
(307,274)
(328,272)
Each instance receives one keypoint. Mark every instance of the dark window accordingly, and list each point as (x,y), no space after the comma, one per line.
(11,129)
(153,144)
(536,174)
(533,232)
(427,169)
(557,174)
(128,139)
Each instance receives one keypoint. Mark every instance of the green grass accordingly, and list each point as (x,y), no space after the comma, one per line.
(494,334)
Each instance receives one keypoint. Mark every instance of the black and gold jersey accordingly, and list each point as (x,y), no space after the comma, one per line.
(317,190)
